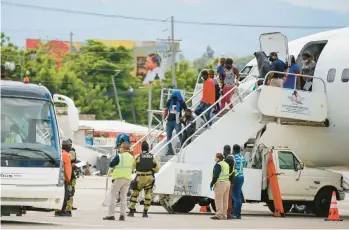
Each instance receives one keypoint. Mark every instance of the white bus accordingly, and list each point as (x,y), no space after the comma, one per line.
(32,171)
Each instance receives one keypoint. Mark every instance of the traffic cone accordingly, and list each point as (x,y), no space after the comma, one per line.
(333,214)
(203,209)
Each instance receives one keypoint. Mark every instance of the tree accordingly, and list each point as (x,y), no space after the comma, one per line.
(86,77)
(94,68)
(10,53)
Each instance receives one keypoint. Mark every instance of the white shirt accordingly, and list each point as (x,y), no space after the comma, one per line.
(151,74)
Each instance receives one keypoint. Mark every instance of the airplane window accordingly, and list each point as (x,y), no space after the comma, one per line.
(345,75)
(331,75)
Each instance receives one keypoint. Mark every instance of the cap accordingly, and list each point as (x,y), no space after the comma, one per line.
(273,54)
(145,146)
(66,141)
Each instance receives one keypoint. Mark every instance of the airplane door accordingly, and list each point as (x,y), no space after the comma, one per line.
(274,42)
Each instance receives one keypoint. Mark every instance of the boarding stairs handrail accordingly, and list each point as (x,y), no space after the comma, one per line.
(198,117)
(295,82)
(240,97)
(159,125)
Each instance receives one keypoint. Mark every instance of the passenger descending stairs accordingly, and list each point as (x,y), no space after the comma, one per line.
(246,88)
(202,126)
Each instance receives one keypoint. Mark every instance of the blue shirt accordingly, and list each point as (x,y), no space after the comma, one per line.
(115,161)
(279,66)
(216,171)
(220,69)
(291,79)
(240,162)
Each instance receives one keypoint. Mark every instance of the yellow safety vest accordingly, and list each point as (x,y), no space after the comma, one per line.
(124,168)
(224,175)
(10,138)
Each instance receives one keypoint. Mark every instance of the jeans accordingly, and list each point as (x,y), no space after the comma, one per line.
(201,108)
(171,125)
(185,136)
(237,192)
(227,96)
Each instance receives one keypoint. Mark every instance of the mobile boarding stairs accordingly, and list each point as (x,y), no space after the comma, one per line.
(184,178)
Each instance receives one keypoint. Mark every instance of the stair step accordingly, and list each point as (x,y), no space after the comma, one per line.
(165,158)
(201,131)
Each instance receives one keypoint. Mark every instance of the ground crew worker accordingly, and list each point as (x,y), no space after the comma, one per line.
(146,165)
(75,175)
(121,175)
(229,158)
(240,162)
(221,185)
(119,140)
(66,144)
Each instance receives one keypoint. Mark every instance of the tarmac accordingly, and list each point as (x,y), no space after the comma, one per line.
(89,197)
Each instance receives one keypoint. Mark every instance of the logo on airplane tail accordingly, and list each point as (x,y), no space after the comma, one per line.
(295,98)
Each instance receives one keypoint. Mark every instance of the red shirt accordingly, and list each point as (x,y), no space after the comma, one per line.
(209,92)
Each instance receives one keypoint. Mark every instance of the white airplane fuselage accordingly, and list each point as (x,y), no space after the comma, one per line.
(321,146)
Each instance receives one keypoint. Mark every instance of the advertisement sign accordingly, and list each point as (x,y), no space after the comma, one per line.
(153,68)
(295,104)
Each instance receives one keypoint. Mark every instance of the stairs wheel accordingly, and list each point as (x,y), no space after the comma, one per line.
(184,205)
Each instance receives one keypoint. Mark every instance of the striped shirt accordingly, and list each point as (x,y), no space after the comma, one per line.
(240,162)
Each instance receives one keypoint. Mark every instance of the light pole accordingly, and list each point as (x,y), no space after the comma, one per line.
(131,91)
(116,93)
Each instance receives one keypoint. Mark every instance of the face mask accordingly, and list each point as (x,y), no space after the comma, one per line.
(271,59)
(228,67)
(305,61)
(174,98)
(66,148)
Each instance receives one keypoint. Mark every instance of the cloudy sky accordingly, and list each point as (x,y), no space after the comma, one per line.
(21,23)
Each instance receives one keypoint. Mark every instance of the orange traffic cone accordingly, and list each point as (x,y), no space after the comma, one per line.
(333,214)
(203,209)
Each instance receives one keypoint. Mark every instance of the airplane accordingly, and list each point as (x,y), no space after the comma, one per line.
(319,146)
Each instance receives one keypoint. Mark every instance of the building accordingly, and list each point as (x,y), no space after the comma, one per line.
(140,50)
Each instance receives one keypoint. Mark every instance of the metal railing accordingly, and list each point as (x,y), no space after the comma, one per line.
(241,98)
(202,114)
(296,78)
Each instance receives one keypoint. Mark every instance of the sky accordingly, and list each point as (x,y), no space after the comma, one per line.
(21,23)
